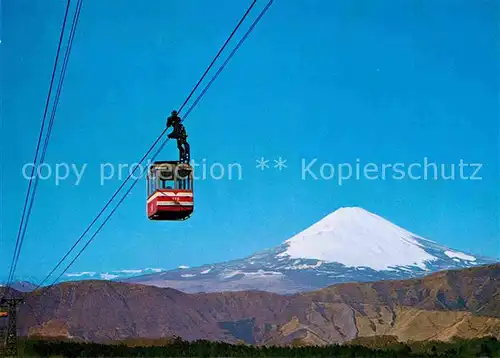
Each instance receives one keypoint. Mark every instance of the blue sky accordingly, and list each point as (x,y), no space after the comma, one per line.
(383,82)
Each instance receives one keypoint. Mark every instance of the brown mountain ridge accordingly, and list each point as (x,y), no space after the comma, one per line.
(462,303)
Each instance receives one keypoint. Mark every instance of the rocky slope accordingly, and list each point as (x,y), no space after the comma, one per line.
(463,303)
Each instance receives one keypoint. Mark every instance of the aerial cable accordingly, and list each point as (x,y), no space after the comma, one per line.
(221,68)
(39,141)
(100,213)
(217,56)
(18,245)
(54,109)
(262,13)
(138,164)
(51,121)
(256,21)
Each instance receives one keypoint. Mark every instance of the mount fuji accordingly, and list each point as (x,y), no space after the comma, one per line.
(350,244)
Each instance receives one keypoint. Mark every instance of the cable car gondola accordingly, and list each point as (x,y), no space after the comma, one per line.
(170,191)
(4,314)
(170,183)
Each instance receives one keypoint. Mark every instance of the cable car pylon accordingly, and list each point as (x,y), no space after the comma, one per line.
(10,348)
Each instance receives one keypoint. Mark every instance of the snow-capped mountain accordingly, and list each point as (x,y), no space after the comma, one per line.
(351,244)
(110,275)
(27,284)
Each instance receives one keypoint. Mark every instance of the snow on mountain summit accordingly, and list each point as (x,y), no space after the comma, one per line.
(355,237)
(348,245)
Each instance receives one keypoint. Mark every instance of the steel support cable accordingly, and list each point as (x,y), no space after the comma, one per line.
(100,213)
(147,153)
(53,114)
(218,54)
(18,240)
(256,21)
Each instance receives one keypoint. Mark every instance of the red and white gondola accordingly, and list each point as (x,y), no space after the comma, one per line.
(170,191)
